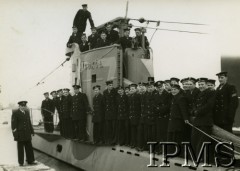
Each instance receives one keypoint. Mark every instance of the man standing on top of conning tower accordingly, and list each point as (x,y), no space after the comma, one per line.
(80,20)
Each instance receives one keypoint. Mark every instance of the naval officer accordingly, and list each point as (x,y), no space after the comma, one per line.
(23,131)
(226,103)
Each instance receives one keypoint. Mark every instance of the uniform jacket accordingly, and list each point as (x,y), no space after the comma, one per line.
(110,104)
(134,108)
(203,109)
(226,104)
(47,108)
(125,42)
(178,113)
(150,107)
(59,106)
(122,107)
(79,106)
(93,39)
(66,107)
(84,46)
(162,104)
(21,125)
(138,40)
(80,20)
(74,38)
(98,108)
(191,98)
(112,36)
(102,43)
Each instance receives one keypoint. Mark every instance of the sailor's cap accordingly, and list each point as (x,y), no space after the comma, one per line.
(96,86)
(76,86)
(46,93)
(22,103)
(109,82)
(53,92)
(203,79)
(211,81)
(223,73)
(174,79)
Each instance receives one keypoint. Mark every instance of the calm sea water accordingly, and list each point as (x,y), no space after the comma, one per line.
(8,147)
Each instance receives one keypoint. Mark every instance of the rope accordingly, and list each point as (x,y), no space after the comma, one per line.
(181,31)
(41,81)
(172,22)
(212,137)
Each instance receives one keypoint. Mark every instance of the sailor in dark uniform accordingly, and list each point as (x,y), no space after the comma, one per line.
(167,86)
(74,38)
(93,38)
(98,116)
(178,116)
(103,40)
(226,103)
(79,113)
(67,124)
(84,46)
(142,126)
(191,96)
(110,112)
(162,101)
(80,20)
(47,111)
(138,39)
(123,117)
(150,112)
(112,35)
(211,84)
(60,109)
(134,114)
(202,116)
(126,40)
(23,131)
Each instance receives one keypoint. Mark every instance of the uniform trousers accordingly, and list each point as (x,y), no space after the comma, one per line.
(98,132)
(122,132)
(27,145)
(110,127)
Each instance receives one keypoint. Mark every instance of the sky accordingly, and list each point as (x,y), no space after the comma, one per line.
(33,36)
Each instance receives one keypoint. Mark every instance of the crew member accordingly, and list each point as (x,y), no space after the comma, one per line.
(47,111)
(23,131)
(112,35)
(126,40)
(93,38)
(79,113)
(150,112)
(84,46)
(178,116)
(202,115)
(134,114)
(67,124)
(138,39)
(103,40)
(98,116)
(80,20)
(74,38)
(162,110)
(123,117)
(226,103)
(110,112)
